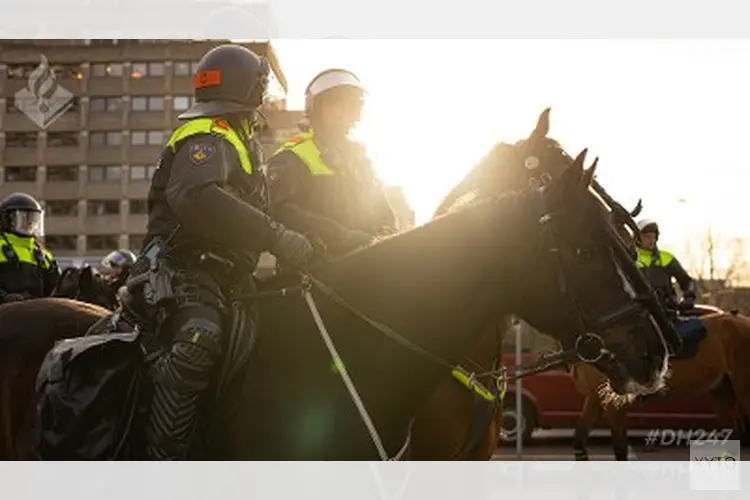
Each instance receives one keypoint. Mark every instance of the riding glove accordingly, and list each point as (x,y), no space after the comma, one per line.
(292,248)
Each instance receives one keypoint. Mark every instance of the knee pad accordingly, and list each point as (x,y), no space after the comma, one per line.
(194,354)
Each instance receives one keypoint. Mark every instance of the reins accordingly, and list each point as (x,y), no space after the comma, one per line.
(499,373)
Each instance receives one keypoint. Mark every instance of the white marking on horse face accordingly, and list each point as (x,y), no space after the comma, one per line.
(531,163)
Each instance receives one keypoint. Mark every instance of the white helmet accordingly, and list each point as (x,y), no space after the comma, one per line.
(648,225)
(327,80)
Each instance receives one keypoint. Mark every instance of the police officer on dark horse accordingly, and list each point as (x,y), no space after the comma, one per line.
(206,230)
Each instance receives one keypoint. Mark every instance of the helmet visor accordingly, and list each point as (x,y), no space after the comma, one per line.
(27,223)
(115,260)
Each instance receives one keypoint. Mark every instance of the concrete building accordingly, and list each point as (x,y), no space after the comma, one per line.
(90,153)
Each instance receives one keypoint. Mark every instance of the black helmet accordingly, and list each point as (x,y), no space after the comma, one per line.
(229,79)
(119,259)
(21,214)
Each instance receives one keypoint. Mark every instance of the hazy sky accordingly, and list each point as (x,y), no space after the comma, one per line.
(667,118)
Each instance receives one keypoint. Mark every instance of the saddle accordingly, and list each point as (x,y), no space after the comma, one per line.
(692,331)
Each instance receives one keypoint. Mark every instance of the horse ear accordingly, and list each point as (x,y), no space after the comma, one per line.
(542,126)
(573,175)
(588,175)
(637,210)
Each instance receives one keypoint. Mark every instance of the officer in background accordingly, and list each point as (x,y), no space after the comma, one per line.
(117,265)
(660,267)
(27,269)
(206,230)
(321,182)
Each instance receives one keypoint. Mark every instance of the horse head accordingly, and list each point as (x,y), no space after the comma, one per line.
(601,305)
(86,284)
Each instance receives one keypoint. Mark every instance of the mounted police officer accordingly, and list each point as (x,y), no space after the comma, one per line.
(117,265)
(206,230)
(660,267)
(27,269)
(321,181)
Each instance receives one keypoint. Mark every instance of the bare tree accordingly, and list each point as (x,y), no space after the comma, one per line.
(717,263)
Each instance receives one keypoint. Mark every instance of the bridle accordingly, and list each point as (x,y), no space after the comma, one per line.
(588,345)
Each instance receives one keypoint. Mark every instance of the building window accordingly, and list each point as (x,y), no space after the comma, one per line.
(61,208)
(103,207)
(62,173)
(57,242)
(100,70)
(21,139)
(144,103)
(20,71)
(104,173)
(150,138)
(142,69)
(102,241)
(194,67)
(71,71)
(101,139)
(182,68)
(135,242)
(138,207)
(62,139)
(182,102)
(20,174)
(142,172)
(104,104)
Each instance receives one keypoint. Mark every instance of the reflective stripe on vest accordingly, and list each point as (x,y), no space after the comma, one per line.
(216,127)
(306,150)
(645,258)
(24,247)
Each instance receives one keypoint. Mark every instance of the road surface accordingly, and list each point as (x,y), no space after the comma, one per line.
(557,445)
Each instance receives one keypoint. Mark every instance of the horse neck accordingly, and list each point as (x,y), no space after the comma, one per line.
(444,283)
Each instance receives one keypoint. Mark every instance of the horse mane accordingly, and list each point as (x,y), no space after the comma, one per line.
(36,321)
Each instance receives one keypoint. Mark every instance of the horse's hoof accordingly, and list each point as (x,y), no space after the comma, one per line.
(581,456)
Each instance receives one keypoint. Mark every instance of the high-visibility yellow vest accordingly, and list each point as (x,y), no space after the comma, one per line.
(306,150)
(216,127)
(26,249)
(646,258)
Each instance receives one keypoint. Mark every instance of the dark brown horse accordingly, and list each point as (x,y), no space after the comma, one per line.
(421,284)
(469,423)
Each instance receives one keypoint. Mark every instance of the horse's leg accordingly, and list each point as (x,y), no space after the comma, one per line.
(592,411)
(617,418)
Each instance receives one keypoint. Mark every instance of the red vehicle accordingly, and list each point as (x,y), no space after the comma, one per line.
(551,401)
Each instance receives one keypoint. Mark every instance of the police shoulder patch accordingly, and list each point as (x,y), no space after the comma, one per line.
(201,152)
